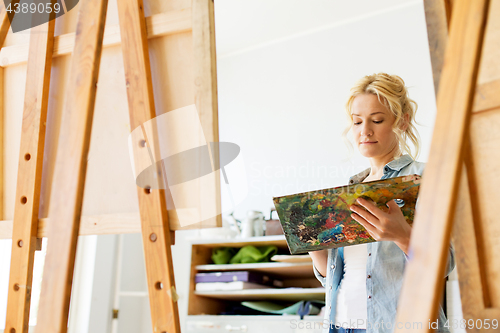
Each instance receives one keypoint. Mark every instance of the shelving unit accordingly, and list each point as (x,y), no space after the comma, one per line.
(278,269)
(293,295)
(298,278)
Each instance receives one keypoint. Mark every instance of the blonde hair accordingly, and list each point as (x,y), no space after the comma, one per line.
(392,92)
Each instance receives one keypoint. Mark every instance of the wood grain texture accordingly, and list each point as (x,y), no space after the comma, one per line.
(158,25)
(172,66)
(487,96)
(2,148)
(29,178)
(490,66)
(205,80)
(4,20)
(4,23)
(106,224)
(437,34)
(474,197)
(448,8)
(485,155)
(470,267)
(470,241)
(152,204)
(4,29)
(308,293)
(70,169)
(430,237)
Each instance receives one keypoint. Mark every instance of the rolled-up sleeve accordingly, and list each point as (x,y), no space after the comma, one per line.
(318,276)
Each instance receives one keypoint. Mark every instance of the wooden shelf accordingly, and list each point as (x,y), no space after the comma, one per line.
(278,240)
(278,269)
(299,275)
(287,294)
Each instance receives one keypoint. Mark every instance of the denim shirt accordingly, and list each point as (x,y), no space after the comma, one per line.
(385,266)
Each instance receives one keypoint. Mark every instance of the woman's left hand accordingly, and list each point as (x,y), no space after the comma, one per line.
(383,226)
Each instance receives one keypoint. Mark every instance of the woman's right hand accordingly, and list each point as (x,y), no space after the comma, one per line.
(320,260)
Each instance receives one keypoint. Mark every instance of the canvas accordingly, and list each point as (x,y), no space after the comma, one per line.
(321,219)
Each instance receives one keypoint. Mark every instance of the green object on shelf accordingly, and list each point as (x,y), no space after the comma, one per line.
(222,255)
(245,255)
(270,307)
(251,254)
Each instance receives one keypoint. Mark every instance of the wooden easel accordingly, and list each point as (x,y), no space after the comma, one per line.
(62,227)
(458,192)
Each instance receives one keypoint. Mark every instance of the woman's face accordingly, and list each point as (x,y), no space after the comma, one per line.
(372,126)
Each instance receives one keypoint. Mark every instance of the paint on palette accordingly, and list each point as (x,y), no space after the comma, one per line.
(321,219)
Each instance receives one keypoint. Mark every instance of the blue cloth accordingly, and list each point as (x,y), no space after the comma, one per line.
(385,264)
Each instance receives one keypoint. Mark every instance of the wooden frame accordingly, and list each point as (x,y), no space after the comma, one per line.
(70,170)
(437,33)
(4,29)
(73,147)
(24,233)
(467,104)
(460,103)
(157,25)
(155,223)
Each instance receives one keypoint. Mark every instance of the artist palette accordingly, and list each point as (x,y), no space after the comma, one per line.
(321,219)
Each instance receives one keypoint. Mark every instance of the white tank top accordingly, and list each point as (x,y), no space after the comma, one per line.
(351,297)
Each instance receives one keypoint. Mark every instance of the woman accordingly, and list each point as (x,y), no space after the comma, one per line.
(363,282)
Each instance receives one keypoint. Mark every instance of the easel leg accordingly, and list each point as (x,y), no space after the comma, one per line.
(433,224)
(437,33)
(4,30)
(2,147)
(24,236)
(70,169)
(156,232)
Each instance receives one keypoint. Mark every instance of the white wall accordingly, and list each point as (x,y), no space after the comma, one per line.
(282,100)
(102,294)
(282,93)
(134,310)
